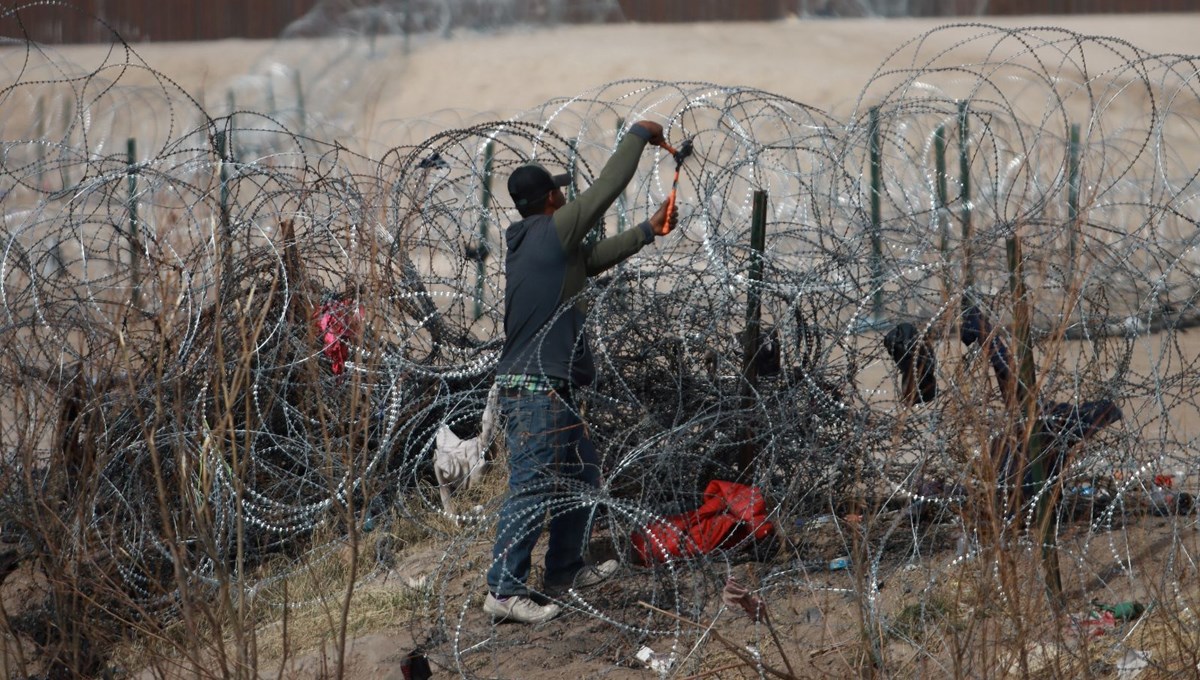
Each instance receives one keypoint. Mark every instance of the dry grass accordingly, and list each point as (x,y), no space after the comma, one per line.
(383,598)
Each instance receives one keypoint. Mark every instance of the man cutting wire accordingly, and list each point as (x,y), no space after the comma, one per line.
(546,356)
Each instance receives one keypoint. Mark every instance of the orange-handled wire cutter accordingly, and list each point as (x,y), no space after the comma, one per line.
(685,150)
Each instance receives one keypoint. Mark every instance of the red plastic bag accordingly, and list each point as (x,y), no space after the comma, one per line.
(731,513)
(337,322)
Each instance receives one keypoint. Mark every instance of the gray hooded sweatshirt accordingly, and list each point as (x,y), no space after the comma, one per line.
(547,265)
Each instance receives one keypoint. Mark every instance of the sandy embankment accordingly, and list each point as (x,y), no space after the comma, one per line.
(821,63)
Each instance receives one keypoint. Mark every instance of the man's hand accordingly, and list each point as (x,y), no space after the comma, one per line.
(655,130)
(659,221)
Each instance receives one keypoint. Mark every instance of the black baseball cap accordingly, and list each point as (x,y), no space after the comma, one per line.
(531,183)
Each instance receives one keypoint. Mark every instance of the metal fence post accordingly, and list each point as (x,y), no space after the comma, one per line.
(135,246)
(964,174)
(750,346)
(876,219)
(485,201)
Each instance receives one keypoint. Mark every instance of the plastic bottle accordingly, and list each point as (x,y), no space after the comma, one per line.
(839,564)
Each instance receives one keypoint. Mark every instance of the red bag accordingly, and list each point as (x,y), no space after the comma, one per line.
(338,321)
(731,513)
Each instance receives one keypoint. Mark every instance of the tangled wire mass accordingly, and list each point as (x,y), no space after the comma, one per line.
(161,303)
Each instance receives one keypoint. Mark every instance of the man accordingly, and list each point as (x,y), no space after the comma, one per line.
(546,356)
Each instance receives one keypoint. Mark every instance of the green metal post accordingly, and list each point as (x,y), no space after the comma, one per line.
(485,202)
(876,219)
(223,165)
(135,245)
(68,119)
(231,140)
(39,122)
(940,205)
(939,150)
(1073,197)
(758,238)
(964,173)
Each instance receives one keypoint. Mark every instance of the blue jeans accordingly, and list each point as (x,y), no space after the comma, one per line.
(553,467)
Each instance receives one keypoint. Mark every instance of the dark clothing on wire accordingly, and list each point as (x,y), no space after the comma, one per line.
(1063,424)
(914,357)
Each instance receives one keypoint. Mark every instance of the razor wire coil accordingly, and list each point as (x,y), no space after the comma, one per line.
(151,298)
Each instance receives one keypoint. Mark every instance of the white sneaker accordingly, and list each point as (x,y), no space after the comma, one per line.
(591,575)
(520,609)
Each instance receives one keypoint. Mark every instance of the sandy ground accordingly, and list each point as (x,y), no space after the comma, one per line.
(822,63)
(825,64)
